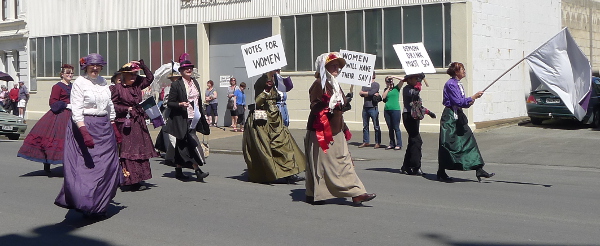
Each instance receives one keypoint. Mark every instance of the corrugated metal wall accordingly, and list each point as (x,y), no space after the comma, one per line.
(55,17)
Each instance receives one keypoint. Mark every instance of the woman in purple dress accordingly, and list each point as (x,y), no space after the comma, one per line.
(91,161)
(458,149)
(136,148)
(46,140)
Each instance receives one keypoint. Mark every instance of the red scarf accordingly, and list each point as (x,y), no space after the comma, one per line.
(322,126)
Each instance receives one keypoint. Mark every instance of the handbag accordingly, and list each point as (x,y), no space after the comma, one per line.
(260,114)
(205,147)
(127,122)
(415,110)
(376,99)
(230,103)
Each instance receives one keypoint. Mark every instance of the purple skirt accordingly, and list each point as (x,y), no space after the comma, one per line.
(92,176)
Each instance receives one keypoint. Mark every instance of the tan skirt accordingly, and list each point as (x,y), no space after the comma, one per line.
(331,174)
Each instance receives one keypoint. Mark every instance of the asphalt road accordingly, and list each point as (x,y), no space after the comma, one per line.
(545,193)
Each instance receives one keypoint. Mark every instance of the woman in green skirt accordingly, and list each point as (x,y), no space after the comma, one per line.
(458,148)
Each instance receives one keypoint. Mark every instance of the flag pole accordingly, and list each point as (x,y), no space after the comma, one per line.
(523,59)
(505,73)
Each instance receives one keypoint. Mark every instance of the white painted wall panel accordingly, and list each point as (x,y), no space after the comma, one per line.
(48,17)
(504,31)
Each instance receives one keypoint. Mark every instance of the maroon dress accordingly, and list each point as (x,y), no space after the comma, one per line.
(137,146)
(45,141)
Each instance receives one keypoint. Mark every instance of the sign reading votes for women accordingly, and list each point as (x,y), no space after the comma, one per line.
(264,55)
(414,58)
(359,68)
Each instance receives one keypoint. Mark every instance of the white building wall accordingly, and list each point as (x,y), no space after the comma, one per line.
(104,15)
(505,31)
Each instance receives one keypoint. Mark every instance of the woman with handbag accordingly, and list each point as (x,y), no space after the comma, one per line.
(412,115)
(231,101)
(136,148)
(269,149)
(184,100)
(458,148)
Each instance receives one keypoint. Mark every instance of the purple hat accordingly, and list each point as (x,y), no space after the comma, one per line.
(184,61)
(91,59)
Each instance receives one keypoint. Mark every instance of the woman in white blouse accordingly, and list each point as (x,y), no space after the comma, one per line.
(91,163)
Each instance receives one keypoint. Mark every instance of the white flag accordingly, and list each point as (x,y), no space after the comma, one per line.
(561,66)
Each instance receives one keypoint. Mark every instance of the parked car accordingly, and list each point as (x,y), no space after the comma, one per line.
(11,126)
(543,104)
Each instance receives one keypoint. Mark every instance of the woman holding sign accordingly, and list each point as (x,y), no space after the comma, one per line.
(136,148)
(330,171)
(269,149)
(458,149)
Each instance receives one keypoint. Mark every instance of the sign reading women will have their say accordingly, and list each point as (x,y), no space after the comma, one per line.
(264,55)
(359,68)
(414,58)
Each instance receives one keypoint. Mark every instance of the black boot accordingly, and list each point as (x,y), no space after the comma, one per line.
(292,179)
(442,176)
(201,175)
(480,173)
(179,174)
(47,167)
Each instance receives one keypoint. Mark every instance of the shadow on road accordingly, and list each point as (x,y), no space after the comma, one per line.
(559,125)
(56,172)
(517,182)
(60,233)
(446,240)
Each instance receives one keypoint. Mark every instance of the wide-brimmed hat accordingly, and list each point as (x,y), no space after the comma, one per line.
(91,59)
(130,67)
(420,76)
(332,56)
(21,82)
(184,61)
(174,74)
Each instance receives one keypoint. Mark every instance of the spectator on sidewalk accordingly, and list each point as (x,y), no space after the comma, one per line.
(23,98)
(370,112)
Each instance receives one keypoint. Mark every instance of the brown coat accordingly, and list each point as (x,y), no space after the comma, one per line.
(336,120)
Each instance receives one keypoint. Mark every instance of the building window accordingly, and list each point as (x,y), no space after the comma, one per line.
(4,10)
(17,8)
(156,46)
(372,31)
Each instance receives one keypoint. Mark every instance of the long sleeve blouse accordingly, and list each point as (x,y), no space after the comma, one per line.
(91,98)
(125,96)
(454,95)
(60,97)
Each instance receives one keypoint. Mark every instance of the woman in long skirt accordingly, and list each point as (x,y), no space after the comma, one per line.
(91,163)
(46,140)
(458,149)
(184,98)
(330,172)
(269,149)
(136,148)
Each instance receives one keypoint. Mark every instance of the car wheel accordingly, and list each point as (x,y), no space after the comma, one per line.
(13,136)
(536,121)
(596,120)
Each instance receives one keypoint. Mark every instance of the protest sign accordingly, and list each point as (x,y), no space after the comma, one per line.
(359,68)
(224,80)
(264,55)
(414,58)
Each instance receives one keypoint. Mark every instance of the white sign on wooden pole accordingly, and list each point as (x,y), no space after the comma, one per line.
(264,55)
(414,58)
(359,68)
